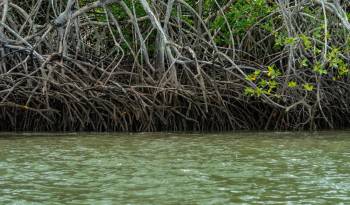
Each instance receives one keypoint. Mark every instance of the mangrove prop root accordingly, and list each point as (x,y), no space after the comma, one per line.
(76,65)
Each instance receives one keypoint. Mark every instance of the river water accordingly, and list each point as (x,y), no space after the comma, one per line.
(165,168)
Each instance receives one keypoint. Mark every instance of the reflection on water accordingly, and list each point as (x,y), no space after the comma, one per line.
(251,168)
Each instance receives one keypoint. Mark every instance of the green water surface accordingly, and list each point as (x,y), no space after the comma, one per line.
(165,168)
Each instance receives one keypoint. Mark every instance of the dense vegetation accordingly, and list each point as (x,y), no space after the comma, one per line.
(141,65)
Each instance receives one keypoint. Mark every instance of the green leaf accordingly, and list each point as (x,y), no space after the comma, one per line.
(306,41)
(251,77)
(272,84)
(273,72)
(292,84)
(257,72)
(263,83)
(343,70)
(248,91)
(304,62)
(258,91)
(289,41)
(318,68)
(308,87)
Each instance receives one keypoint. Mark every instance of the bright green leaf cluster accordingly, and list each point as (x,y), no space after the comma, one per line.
(319,68)
(292,84)
(273,72)
(253,76)
(308,87)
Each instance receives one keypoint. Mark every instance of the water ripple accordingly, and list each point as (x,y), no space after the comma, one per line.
(263,168)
